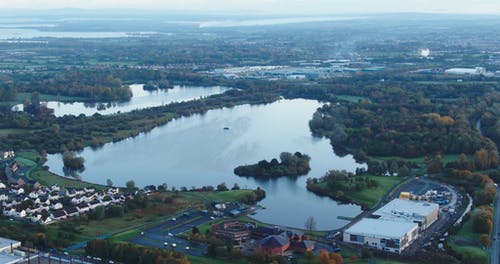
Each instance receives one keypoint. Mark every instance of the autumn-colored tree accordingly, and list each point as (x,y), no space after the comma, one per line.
(481,159)
(485,240)
(324,258)
(337,258)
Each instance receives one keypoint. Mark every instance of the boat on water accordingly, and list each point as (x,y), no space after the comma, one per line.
(226,128)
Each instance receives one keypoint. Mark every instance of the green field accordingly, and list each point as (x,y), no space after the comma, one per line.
(22,97)
(369,197)
(466,232)
(350,98)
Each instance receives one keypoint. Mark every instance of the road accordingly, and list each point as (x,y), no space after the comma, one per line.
(495,244)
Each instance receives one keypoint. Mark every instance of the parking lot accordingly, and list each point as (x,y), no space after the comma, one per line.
(450,200)
(164,235)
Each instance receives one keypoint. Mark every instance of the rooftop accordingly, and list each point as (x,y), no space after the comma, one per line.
(5,243)
(381,227)
(4,258)
(409,208)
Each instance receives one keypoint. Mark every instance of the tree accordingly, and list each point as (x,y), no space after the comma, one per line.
(130,184)
(235,187)
(310,224)
(73,163)
(222,187)
(403,171)
(99,213)
(481,159)
(109,183)
(485,240)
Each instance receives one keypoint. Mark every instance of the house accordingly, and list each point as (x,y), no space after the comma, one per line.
(113,191)
(56,206)
(58,215)
(72,211)
(8,154)
(17,191)
(93,204)
(302,246)
(264,231)
(45,220)
(2,185)
(54,196)
(20,213)
(35,218)
(3,195)
(82,208)
(274,245)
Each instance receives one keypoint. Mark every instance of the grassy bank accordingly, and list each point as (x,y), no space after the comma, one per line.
(366,197)
(34,163)
(467,233)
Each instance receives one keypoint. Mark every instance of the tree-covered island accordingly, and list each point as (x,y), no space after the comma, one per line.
(291,165)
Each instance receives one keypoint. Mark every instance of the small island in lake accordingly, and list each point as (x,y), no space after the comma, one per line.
(291,165)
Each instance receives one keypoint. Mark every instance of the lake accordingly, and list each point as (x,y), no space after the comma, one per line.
(140,99)
(198,151)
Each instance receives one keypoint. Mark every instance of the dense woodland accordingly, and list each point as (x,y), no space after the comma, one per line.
(397,121)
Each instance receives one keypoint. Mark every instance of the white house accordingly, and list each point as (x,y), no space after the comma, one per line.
(56,206)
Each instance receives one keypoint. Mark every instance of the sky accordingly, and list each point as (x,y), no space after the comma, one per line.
(274,6)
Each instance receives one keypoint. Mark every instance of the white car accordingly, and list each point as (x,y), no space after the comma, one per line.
(187,248)
(170,234)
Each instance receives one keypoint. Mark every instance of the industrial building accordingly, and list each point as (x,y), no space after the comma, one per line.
(386,235)
(420,212)
(466,71)
(393,227)
(8,252)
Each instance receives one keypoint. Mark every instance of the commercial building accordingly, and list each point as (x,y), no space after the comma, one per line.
(385,235)
(8,252)
(420,212)
(7,245)
(393,227)
(466,71)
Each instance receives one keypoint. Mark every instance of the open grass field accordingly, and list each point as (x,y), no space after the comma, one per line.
(467,233)
(420,160)
(369,197)
(350,98)
(476,252)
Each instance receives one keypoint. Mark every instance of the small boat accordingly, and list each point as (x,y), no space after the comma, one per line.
(226,128)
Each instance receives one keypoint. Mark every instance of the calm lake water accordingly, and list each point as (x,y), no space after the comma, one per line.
(141,99)
(197,151)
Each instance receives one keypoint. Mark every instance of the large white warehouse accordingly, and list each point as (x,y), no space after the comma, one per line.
(466,71)
(393,227)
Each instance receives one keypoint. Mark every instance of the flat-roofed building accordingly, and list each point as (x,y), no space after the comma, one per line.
(420,212)
(7,245)
(7,251)
(385,235)
(394,226)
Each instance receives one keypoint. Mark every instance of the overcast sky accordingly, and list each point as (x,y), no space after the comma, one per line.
(274,6)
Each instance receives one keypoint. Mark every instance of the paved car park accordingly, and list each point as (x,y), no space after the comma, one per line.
(164,235)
